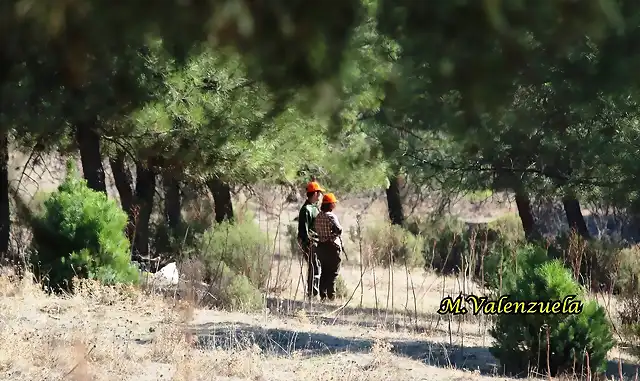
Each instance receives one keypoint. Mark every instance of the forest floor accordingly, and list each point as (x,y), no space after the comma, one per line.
(106,334)
(386,330)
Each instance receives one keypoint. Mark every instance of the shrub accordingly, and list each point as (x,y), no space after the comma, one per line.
(600,265)
(241,246)
(233,290)
(385,243)
(450,242)
(341,288)
(520,339)
(80,232)
(502,272)
(509,227)
(627,280)
(629,315)
(478,196)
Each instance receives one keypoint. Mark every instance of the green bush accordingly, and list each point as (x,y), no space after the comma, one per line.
(478,196)
(502,272)
(241,246)
(521,339)
(509,227)
(627,278)
(233,290)
(385,243)
(449,242)
(602,266)
(80,232)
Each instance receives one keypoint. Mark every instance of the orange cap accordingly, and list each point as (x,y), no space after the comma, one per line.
(329,198)
(314,187)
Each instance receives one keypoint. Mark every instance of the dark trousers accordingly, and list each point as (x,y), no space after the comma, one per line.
(329,258)
(313,272)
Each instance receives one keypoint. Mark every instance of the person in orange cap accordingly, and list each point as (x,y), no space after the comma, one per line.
(329,232)
(307,238)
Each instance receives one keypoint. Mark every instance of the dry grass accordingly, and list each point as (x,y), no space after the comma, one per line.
(118,334)
(106,333)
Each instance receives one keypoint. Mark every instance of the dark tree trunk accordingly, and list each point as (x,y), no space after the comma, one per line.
(633,230)
(526,215)
(143,206)
(88,142)
(172,203)
(394,201)
(124,183)
(5,211)
(223,205)
(574,215)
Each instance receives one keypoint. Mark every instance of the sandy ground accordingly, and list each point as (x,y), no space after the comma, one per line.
(122,334)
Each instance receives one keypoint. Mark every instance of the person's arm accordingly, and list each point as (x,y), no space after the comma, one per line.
(311,226)
(337,228)
(303,227)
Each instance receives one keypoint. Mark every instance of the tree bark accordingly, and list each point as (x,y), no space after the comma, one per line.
(223,205)
(143,206)
(526,215)
(5,211)
(124,183)
(88,142)
(574,215)
(394,201)
(172,202)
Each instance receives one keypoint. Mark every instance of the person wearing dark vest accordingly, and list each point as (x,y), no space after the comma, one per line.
(307,238)
(329,232)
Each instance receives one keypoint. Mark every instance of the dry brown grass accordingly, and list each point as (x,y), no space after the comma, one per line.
(106,333)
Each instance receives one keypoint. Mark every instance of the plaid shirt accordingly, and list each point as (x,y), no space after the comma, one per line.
(327,227)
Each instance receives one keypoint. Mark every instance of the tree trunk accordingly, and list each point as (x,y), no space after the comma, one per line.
(124,183)
(88,142)
(5,211)
(143,206)
(574,215)
(526,215)
(172,203)
(223,205)
(394,201)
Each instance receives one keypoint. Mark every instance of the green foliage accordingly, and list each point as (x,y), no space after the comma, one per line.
(628,274)
(509,226)
(600,265)
(81,233)
(385,244)
(629,317)
(503,272)
(484,247)
(521,339)
(233,290)
(478,196)
(241,246)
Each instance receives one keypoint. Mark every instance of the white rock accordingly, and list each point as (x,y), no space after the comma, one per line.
(168,274)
